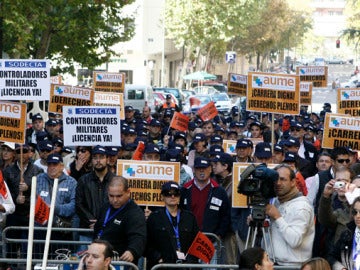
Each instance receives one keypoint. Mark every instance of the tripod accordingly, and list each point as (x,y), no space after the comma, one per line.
(258,230)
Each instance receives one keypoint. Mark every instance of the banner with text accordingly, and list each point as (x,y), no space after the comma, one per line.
(318,75)
(110,99)
(341,130)
(146,178)
(67,95)
(90,126)
(305,93)
(109,81)
(273,93)
(348,101)
(237,84)
(12,122)
(22,79)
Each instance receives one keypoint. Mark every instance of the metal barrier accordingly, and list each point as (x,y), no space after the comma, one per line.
(213,266)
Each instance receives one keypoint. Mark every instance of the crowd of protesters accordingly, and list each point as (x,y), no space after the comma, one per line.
(92,196)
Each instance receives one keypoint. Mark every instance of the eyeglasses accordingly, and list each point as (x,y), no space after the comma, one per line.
(295,129)
(170,194)
(24,151)
(343,160)
(354,212)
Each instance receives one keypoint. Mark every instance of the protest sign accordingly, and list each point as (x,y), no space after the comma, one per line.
(208,112)
(317,75)
(109,81)
(305,93)
(110,99)
(179,122)
(273,93)
(348,101)
(62,95)
(146,178)
(237,84)
(42,211)
(12,122)
(90,126)
(3,190)
(229,147)
(56,79)
(22,79)
(202,248)
(341,130)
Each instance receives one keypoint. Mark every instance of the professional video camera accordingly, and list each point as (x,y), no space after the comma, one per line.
(258,183)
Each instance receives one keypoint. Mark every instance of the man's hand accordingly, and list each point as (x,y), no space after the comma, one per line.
(127,256)
(23,187)
(272,211)
(329,188)
(20,199)
(92,223)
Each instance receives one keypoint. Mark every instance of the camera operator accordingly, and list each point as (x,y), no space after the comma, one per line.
(291,221)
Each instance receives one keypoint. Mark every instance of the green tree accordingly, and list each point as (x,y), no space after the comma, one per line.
(65,31)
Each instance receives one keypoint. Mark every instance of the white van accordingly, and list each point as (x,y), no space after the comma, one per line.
(138,96)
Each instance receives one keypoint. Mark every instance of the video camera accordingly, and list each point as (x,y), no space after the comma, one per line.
(258,183)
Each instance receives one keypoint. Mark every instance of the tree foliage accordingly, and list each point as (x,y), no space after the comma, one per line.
(66,31)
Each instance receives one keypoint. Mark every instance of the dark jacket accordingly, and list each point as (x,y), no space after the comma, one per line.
(91,195)
(126,231)
(216,217)
(340,254)
(12,178)
(161,243)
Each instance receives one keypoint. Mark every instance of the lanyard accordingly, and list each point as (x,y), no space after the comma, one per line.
(176,228)
(107,218)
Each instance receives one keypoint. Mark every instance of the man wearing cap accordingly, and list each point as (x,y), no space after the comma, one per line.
(52,127)
(154,136)
(112,157)
(18,178)
(207,200)
(7,157)
(151,152)
(37,126)
(129,115)
(91,191)
(326,109)
(169,104)
(200,149)
(171,230)
(65,197)
(244,148)
(278,154)
(45,148)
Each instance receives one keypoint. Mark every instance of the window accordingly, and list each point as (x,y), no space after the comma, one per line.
(135,94)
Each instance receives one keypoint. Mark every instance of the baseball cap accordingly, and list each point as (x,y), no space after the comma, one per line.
(37,116)
(178,147)
(98,149)
(199,137)
(290,157)
(151,148)
(166,187)
(243,143)
(223,158)
(129,131)
(129,108)
(180,135)
(9,145)
(54,158)
(192,125)
(326,104)
(278,148)
(173,155)
(41,136)
(112,150)
(51,122)
(263,150)
(216,139)
(202,162)
(58,141)
(256,123)
(168,96)
(215,149)
(45,145)
(155,123)
(292,141)
(296,124)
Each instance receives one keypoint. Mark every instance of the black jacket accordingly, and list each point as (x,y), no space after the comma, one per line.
(91,195)
(161,243)
(126,231)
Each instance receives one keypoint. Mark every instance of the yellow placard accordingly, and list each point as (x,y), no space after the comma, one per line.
(348,101)
(110,99)
(318,75)
(341,130)
(229,147)
(67,95)
(12,122)
(273,93)
(147,177)
(237,84)
(305,93)
(109,81)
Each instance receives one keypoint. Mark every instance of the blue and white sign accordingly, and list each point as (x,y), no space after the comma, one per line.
(91,125)
(22,79)
(230,57)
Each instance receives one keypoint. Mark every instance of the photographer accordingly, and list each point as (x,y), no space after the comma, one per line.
(291,221)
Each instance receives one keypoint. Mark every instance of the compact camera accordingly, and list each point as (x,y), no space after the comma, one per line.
(339,184)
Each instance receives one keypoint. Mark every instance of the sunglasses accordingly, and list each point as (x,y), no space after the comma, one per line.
(354,212)
(24,151)
(172,193)
(343,160)
(295,129)
(46,150)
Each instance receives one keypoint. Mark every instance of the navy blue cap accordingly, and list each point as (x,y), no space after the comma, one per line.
(292,141)
(326,104)
(180,135)
(173,155)
(129,131)
(278,147)
(99,150)
(253,117)
(155,123)
(296,124)
(37,116)
(66,150)
(41,136)
(199,137)
(45,145)
(112,150)
(168,96)
(25,146)
(129,108)
(243,143)
(223,158)
(192,125)
(234,124)
(168,113)
(201,162)
(263,150)
(216,139)
(178,147)
(256,123)
(54,158)
(290,157)
(58,141)
(142,133)
(219,128)
(215,149)
(51,114)
(166,187)
(151,148)
(51,122)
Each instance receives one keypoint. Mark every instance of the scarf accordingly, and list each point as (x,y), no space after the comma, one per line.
(289,196)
